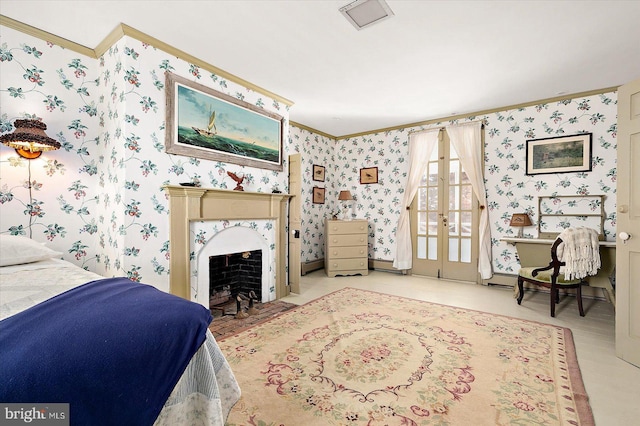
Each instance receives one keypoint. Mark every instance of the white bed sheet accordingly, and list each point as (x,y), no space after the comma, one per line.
(22,286)
(206,391)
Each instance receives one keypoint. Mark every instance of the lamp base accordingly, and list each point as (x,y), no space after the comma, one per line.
(346,215)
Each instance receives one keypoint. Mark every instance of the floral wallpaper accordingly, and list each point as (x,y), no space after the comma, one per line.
(509,189)
(99,199)
(317,150)
(53,198)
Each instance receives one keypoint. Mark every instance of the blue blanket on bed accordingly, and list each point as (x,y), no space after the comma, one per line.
(113,349)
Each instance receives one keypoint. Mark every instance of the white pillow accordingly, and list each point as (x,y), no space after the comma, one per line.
(15,250)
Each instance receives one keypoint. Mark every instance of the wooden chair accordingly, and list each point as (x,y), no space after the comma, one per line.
(550,277)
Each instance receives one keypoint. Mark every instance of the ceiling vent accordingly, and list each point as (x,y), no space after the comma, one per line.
(363,13)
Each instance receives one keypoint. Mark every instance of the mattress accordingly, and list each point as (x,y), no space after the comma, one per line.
(204,394)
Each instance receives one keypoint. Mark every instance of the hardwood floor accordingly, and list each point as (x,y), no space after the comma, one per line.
(613,385)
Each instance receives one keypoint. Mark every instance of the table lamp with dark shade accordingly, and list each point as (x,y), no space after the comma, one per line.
(29,139)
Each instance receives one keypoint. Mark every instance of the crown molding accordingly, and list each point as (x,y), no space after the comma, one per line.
(473,115)
(140,36)
(46,36)
(111,39)
(311,129)
(123,30)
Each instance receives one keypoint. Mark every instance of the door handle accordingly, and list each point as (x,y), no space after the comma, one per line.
(624,237)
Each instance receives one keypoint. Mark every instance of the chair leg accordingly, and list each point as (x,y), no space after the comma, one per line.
(579,297)
(553,299)
(520,290)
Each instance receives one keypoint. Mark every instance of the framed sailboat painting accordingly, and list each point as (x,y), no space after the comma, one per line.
(205,123)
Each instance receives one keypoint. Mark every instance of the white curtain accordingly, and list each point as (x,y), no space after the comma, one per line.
(420,148)
(467,141)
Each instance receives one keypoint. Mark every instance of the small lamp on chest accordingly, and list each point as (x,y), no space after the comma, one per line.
(345,197)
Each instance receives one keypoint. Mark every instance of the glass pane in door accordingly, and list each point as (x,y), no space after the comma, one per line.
(466,197)
(465,250)
(453,249)
(421,250)
(422,223)
(433,248)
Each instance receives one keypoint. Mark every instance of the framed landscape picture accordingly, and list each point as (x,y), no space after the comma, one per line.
(204,123)
(563,154)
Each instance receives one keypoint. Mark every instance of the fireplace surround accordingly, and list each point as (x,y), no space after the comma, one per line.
(189,204)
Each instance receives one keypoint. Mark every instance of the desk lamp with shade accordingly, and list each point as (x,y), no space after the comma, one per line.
(520,220)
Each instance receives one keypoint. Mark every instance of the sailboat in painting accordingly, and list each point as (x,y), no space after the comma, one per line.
(208,133)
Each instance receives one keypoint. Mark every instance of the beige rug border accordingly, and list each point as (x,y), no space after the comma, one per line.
(585,414)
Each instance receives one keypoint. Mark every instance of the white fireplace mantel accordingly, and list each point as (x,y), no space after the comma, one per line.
(187,204)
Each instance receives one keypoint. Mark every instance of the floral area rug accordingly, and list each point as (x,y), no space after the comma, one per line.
(357,357)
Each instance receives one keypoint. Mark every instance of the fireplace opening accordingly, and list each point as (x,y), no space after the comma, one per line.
(234,274)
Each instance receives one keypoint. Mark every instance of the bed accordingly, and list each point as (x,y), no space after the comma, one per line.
(62,302)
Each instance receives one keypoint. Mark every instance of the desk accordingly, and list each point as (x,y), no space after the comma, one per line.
(537,252)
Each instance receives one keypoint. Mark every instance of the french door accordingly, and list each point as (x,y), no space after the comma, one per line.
(444,219)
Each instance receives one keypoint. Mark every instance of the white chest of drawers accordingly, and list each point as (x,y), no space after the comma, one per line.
(345,247)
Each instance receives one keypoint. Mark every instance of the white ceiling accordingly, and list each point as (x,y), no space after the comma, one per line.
(433,59)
